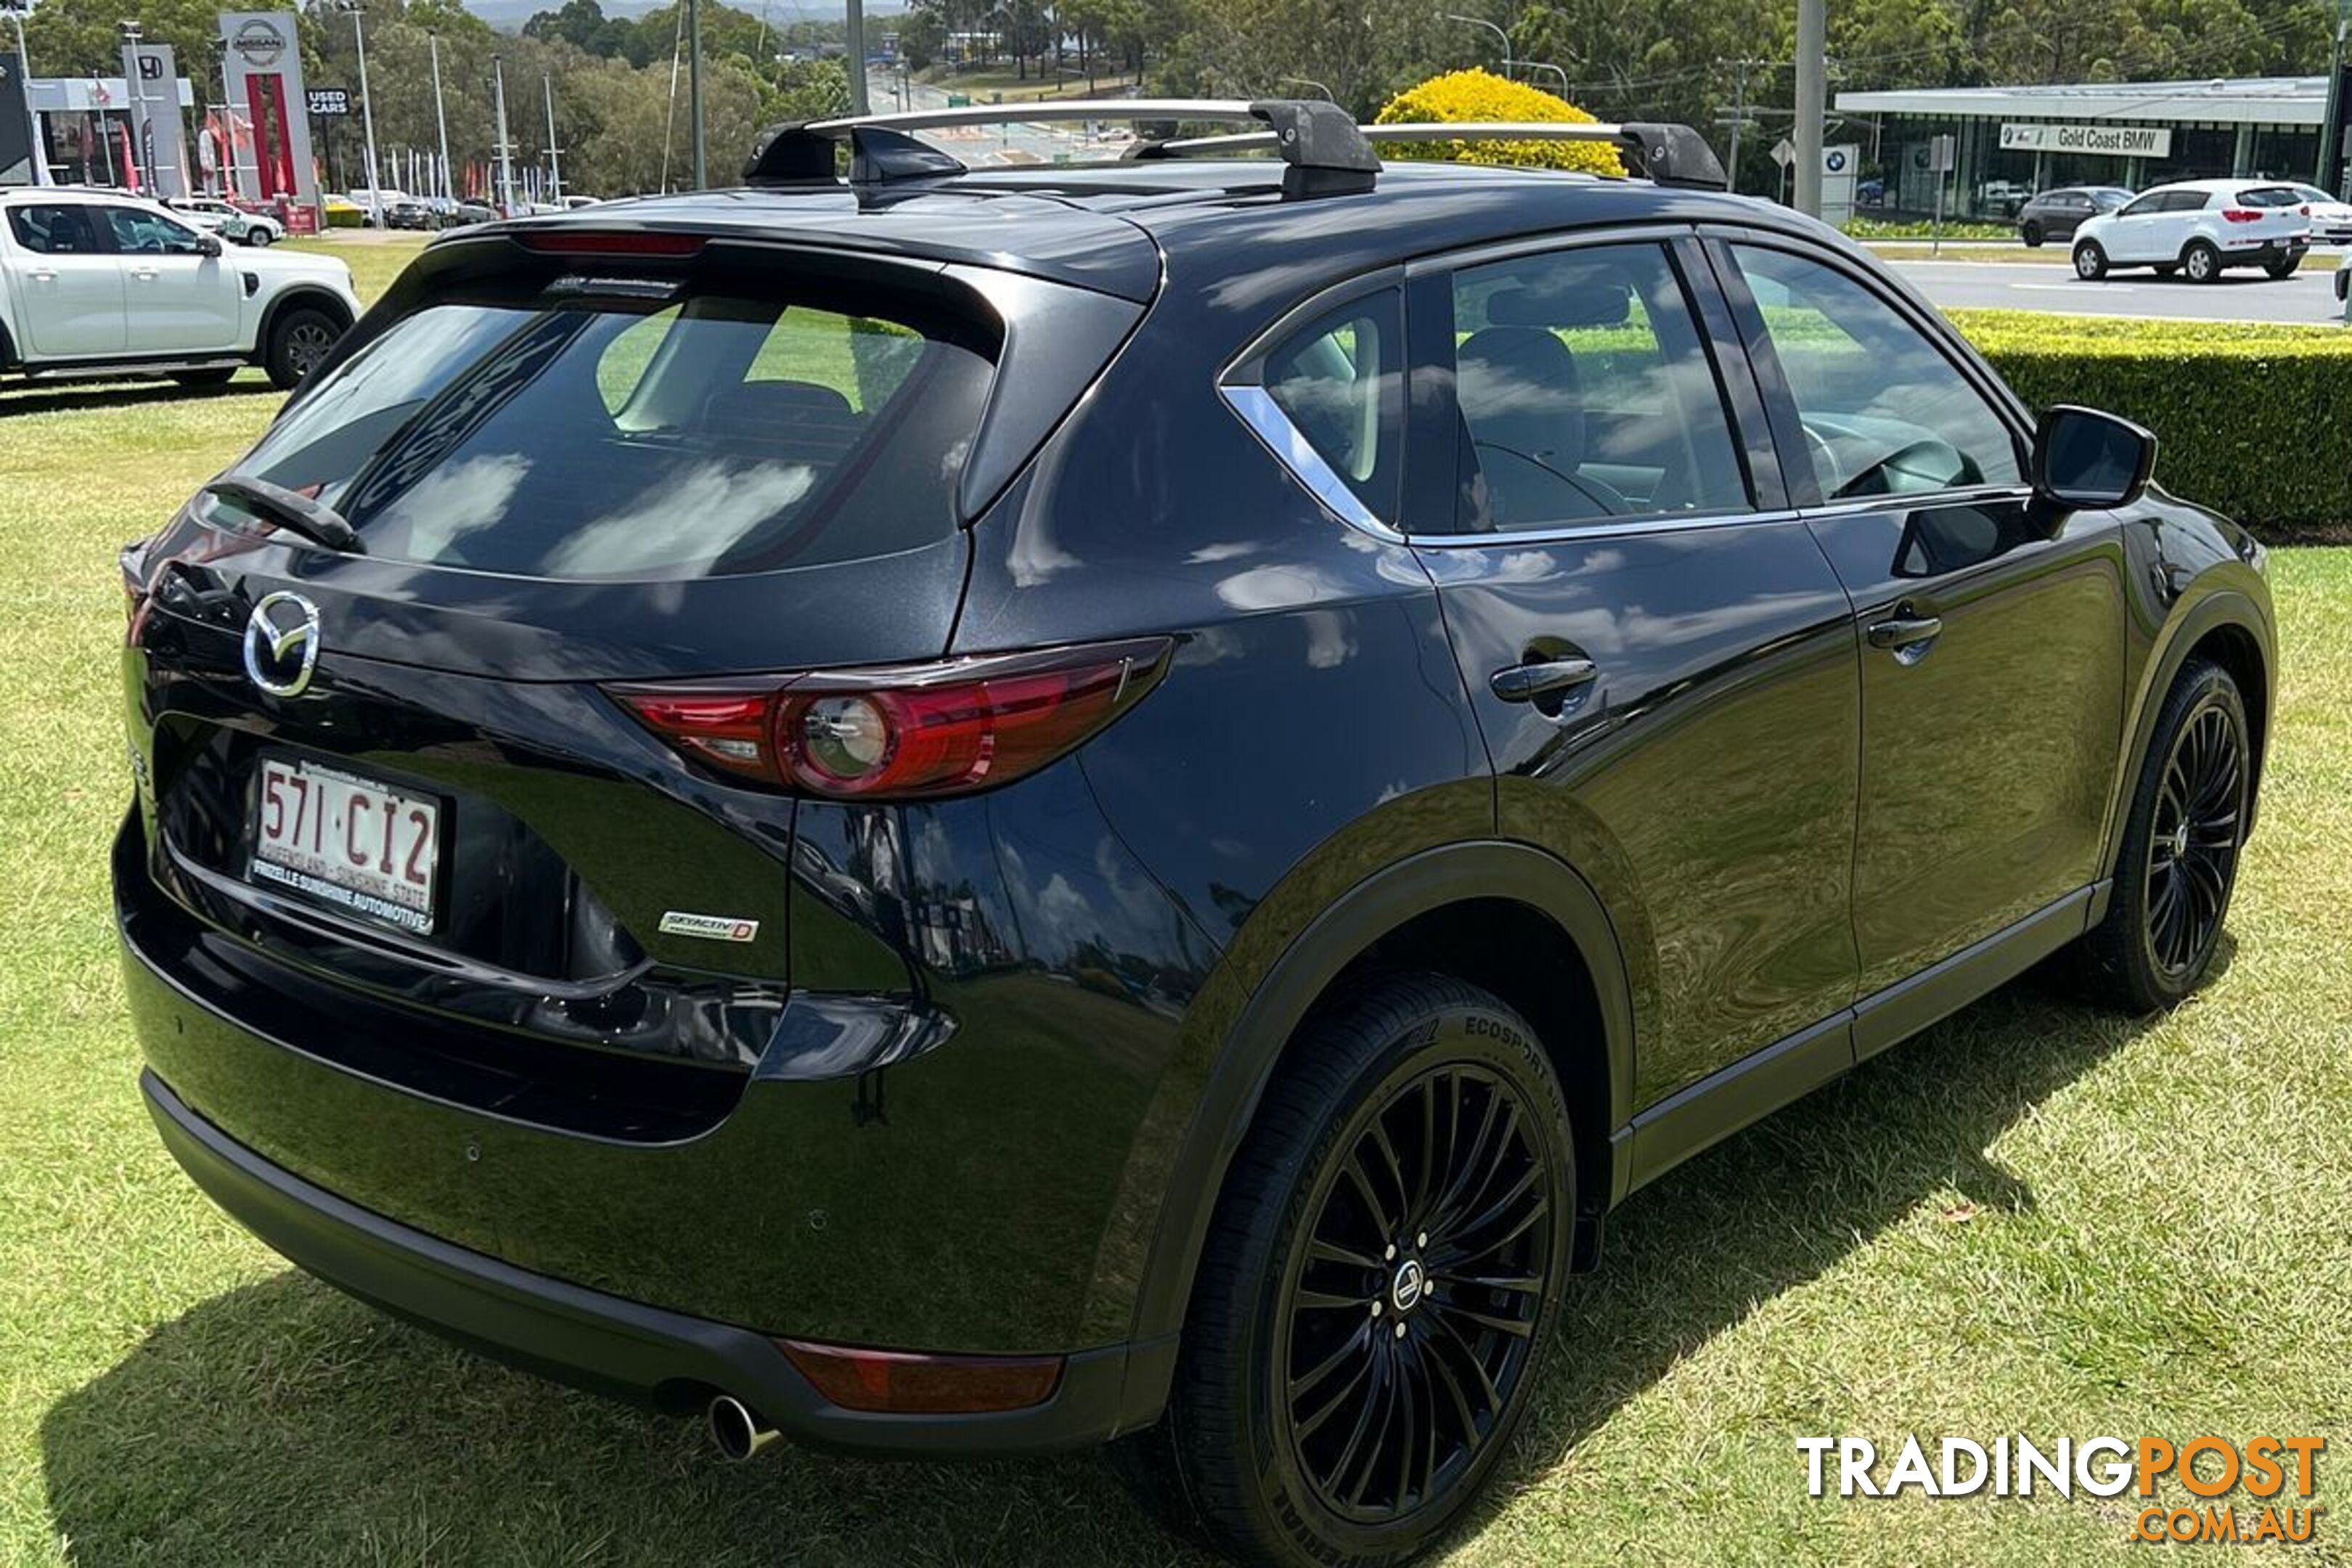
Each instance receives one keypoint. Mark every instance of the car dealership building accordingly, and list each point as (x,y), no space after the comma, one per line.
(2012,141)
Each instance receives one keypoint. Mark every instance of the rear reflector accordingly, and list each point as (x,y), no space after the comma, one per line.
(900,1383)
(611,242)
(907,732)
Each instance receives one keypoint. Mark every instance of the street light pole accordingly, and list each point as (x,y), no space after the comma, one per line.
(505,147)
(1812,94)
(141,137)
(694,92)
(367,109)
(2330,177)
(1482,22)
(1310,81)
(853,44)
(441,118)
(554,153)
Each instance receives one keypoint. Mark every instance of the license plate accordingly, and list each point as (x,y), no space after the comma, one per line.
(347,841)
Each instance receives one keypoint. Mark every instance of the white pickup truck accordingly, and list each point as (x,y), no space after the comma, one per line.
(94,283)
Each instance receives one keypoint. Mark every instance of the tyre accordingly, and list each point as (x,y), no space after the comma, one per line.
(2032,235)
(2090,261)
(216,375)
(258,237)
(299,339)
(2181,845)
(2283,269)
(1378,1287)
(2201,262)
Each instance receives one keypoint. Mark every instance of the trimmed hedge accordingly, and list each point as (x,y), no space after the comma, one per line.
(1922,230)
(2255,422)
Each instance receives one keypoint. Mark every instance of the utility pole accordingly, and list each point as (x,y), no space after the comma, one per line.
(441,120)
(2330,177)
(694,93)
(854,41)
(1812,94)
(506,148)
(554,153)
(1738,119)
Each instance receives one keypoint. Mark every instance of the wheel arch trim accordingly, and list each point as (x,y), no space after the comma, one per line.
(1280,999)
(313,295)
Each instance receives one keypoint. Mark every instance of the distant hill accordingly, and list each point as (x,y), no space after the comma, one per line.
(508,16)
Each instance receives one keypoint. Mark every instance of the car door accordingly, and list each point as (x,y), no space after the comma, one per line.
(1992,644)
(178,300)
(2137,235)
(1660,657)
(68,280)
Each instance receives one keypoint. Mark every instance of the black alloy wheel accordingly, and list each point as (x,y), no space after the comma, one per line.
(1412,1308)
(2182,842)
(2192,849)
(1377,1292)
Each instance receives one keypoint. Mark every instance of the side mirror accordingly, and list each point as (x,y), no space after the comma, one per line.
(208,244)
(2086,460)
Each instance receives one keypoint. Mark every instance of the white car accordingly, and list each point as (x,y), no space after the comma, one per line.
(93,283)
(2199,229)
(2331,216)
(228,221)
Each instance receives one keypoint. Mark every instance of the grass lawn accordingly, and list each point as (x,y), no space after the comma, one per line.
(2034,1218)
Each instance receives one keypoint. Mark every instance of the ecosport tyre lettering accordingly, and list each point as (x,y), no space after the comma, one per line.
(1378,1287)
(2183,843)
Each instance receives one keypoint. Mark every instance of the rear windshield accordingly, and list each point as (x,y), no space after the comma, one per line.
(2269,196)
(703,435)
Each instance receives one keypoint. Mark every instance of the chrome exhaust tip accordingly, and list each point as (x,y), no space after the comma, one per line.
(739,1433)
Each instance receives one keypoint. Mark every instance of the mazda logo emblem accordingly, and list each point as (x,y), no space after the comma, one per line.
(282,644)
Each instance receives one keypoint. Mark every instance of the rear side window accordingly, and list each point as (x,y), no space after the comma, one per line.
(722,433)
(64,229)
(1586,394)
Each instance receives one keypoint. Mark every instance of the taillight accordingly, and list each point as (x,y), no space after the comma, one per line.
(907,731)
(2305,209)
(2241,215)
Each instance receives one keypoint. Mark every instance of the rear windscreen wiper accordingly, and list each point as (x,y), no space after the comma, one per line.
(314,521)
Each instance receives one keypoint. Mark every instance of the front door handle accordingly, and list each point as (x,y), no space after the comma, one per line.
(1908,636)
(1544,677)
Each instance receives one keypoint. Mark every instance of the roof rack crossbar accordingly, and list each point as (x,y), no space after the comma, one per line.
(1326,150)
(1667,154)
(1317,139)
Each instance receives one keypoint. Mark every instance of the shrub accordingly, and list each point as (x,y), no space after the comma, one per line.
(1474,95)
(2255,422)
(1924,228)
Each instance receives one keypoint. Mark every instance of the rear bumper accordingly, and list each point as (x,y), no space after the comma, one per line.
(591,1340)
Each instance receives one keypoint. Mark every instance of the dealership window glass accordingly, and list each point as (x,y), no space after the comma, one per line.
(1586,394)
(1883,411)
(1338,380)
(62,229)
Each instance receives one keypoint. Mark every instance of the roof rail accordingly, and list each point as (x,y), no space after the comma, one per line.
(1325,151)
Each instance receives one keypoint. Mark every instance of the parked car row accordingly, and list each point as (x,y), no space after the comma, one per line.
(229,220)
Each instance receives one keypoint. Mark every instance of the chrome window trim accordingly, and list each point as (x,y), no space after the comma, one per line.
(1270,424)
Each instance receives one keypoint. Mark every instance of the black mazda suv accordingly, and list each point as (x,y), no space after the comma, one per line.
(974,811)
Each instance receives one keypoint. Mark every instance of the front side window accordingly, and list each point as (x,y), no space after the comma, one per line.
(1339,383)
(734,430)
(1883,411)
(138,231)
(1586,394)
(64,229)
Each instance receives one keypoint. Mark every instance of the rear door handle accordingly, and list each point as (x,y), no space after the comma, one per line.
(1904,632)
(1525,682)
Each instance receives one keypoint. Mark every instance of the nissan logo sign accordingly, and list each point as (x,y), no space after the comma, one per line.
(260,43)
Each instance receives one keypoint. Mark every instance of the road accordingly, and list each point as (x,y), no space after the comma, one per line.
(2307,297)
